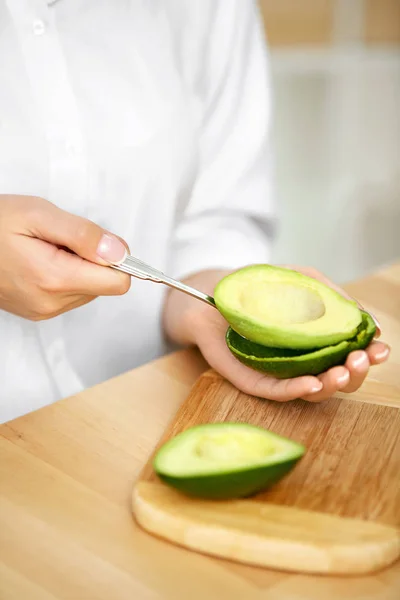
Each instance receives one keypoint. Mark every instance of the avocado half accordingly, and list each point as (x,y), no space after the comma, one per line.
(225,460)
(282,308)
(288,324)
(285,363)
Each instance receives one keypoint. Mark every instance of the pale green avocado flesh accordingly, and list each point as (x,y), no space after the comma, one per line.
(281,308)
(225,460)
(285,363)
(287,324)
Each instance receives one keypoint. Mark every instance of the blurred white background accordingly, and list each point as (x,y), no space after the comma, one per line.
(336,79)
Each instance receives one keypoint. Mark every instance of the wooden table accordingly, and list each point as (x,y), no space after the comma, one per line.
(66,475)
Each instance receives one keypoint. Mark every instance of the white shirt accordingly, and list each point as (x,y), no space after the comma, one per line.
(151,119)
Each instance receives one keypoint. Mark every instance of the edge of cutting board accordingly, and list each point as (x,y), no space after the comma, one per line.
(261,533)
(266,535)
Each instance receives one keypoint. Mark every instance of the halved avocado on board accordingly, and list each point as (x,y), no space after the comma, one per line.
(281,308)
(286,363)
(225,460)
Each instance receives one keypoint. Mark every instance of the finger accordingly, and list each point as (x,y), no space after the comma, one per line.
(82,277)
(83,237)
(47,310)
(284,390)
(60,247)
(123,242)
(78,301)
(210,338)
(249,381)
(333,380)
(73,304)
(377,352)
(61,273)
(358,365)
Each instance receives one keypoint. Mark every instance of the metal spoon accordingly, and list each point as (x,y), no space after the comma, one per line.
(137,268)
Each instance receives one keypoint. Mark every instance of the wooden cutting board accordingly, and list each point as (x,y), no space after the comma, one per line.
(337,512)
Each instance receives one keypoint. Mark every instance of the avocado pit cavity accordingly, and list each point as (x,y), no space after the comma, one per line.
(281,302)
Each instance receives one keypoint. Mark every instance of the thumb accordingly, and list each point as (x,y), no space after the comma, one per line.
(80,235)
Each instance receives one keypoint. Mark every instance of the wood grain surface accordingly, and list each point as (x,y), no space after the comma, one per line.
(351,469)
(266,534)
(352,464)
(66,478)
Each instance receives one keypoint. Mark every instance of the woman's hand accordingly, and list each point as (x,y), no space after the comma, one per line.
(188,321)
(48,259)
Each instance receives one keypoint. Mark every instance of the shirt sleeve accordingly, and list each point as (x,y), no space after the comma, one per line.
(229,219)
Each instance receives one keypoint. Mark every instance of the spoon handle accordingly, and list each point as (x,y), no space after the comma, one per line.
(137,268)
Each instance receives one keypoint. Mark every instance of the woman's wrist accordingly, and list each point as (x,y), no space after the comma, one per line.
(182,313)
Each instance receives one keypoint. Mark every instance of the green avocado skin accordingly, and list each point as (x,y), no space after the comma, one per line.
(286,363)
(227,486)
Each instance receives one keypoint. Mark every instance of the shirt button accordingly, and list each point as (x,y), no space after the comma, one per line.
(38,27)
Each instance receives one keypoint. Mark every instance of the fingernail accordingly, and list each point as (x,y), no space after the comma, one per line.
(316,388)
(382,354)
(343,378)
(359,361)
(111,249)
